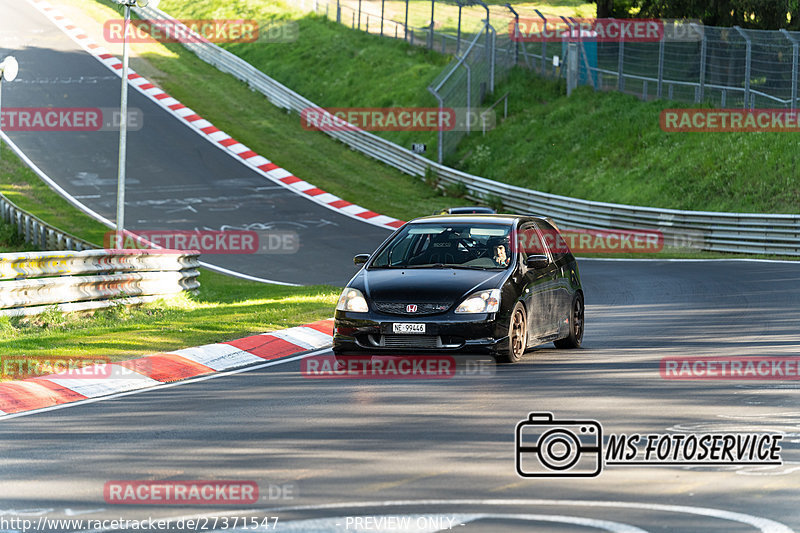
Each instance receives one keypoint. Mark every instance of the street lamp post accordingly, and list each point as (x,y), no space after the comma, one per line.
(123,114)
(8,71)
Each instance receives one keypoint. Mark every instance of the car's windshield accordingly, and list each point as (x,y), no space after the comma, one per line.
(478,246)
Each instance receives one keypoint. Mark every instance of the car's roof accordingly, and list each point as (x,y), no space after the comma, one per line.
(469,209)
(472,218)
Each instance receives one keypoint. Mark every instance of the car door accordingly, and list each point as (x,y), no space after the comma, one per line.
(539,285)
(562,289)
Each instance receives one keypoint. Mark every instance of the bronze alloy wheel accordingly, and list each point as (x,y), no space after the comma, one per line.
(517,336)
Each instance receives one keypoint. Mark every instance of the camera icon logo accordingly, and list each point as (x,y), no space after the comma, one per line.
(558,448)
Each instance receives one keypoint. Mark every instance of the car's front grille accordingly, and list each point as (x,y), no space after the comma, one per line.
(395,308)
(411,341)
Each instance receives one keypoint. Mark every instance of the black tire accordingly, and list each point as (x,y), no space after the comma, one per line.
(517,336)
(575,324)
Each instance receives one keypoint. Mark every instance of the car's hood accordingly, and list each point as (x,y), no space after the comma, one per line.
(438,285)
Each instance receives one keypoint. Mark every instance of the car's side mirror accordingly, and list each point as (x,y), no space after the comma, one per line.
(537,262)
(360,259)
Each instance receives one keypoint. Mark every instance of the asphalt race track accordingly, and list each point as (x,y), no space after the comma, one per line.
(364,455)
(176,180)
(445,448)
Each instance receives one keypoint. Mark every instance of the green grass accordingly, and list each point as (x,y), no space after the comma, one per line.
(23,187)
(609,147)
(224,308)
(599,146)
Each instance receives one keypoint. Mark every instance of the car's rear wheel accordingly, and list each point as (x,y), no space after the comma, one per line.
(575,325)
(517,336)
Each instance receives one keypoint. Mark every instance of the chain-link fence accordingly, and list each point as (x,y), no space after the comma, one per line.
(726,67)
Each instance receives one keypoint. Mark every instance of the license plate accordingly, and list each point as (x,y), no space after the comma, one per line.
(408,328)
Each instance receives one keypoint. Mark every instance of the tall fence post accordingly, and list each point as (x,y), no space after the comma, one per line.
(338,12)
(405,24)
(469,95)
(748,59)
(660,68)
(491,45)
(359,14)
(703,62)
(458,31)
(544,42)
(620,64)
(383,2)
(516,32)
(430,34)
(793,104)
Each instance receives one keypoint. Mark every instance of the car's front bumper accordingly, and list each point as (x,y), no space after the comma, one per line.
(372,332)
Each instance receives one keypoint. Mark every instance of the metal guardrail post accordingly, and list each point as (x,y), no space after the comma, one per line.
(748,59)
(793,104)
(359,14)
(338,13)
(383,2)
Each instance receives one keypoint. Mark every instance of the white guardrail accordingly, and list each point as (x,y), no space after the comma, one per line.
(33,282)
(774,234)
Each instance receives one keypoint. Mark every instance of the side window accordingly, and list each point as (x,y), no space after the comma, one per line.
(529,241)
(553,240)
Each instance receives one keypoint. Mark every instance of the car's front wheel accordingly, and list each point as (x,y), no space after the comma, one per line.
(575,337)
(517,336)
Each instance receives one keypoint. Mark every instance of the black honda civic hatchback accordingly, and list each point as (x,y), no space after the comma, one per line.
(496,284)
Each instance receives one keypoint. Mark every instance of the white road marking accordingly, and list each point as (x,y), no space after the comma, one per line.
(764,525)
(97,216)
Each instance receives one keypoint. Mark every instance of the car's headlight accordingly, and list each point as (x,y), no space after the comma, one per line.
(487,301)
(352,300)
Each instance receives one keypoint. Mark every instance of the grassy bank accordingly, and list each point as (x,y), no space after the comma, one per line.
(610,147)
(600,146)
